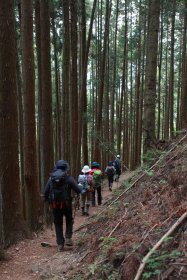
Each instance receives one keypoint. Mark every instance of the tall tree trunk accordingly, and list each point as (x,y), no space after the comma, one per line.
(46,145)
(39,92)
(171,80)
(57,90)
(83,86)
(151,65)
(114,77)
(119,121)
(184,75)
(159,75)
(166,97)
(97,155)
(73,100)
(20,117)
(10,202)
(66,80)
(178,121)
(31,182)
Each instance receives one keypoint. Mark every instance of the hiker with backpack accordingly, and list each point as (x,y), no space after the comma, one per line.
(97,182)
(85,181)
(117,165)
(110,171)
(58,194)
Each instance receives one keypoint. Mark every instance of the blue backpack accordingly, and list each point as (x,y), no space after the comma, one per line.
(83,181)
(117,164)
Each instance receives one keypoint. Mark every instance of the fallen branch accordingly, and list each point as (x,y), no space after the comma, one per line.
(117,224)
(87,253)
(165,221)
(157,245)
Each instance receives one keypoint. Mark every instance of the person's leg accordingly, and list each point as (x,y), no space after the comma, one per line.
(110,183)
(93,197)
(69,225)
(58,222)
(88,201)
(112,180)
(117,175)
(83,197)
(99,197)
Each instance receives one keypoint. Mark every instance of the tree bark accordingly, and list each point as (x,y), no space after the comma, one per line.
(184,74)
(151,64)
(97,154)
(66,81)
(46,144)
(10,202)
(31,182)
(83,86)
(73,100)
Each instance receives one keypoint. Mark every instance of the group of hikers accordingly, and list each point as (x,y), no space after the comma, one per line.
(58,193)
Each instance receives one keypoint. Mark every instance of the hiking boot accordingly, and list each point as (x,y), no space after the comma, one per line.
(60,247)
(110,189)
(86,214)
(69,242)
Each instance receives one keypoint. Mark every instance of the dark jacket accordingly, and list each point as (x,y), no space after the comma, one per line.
(117,164)
(70,182)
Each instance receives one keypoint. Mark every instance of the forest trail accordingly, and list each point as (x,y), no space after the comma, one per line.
(28,260)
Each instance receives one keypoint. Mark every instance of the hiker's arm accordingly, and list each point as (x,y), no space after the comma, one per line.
(74,185)
(47,190)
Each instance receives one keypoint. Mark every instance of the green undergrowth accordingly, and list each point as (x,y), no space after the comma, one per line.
(156,262)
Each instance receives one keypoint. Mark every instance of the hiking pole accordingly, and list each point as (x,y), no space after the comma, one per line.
(76,206)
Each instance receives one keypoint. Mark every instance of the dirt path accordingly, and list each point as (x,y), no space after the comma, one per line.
(30,261)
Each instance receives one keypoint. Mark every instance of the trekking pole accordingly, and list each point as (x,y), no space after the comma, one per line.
(76,206)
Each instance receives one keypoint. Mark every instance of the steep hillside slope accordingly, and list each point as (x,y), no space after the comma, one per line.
(113,245)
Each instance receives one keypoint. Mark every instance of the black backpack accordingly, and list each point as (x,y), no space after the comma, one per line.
(59,193)
(110,171)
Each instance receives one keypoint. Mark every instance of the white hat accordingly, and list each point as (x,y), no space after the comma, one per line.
(86,169)
(118,156)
